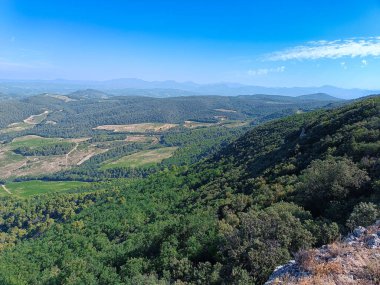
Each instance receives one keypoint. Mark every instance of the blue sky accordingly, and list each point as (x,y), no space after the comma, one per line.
(269,43)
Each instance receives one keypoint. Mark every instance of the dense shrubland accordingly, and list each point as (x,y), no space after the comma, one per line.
(283,186)
(77,118)
(46,150)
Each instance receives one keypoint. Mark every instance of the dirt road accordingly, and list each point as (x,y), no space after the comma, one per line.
(6,189)
(70,152)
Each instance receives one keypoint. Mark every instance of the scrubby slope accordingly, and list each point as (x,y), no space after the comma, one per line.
(284,186)
(353,261)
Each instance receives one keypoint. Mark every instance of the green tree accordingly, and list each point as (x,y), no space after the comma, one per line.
(364,214)
(332,179)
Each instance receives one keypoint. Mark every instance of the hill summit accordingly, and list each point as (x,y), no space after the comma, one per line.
(354,260)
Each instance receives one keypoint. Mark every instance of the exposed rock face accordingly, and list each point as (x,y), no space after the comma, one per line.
(355,260)
(289,269)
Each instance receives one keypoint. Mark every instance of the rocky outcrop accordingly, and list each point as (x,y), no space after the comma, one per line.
(354,260)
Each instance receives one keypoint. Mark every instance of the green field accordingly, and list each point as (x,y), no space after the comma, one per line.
(142,158)
(10,157)
(35,187)
(32,141)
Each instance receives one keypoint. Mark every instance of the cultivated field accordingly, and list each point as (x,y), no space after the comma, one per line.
(15,165)
(138,128)
(194,124)
(32,141)
(142,139)
(142,158)
(35,187)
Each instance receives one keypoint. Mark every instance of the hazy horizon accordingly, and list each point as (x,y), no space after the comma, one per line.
(175,81)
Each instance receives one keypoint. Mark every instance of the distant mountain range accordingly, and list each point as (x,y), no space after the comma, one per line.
(139,87)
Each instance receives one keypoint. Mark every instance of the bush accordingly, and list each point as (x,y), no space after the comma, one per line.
(265,239)
(329,180)
(364,214)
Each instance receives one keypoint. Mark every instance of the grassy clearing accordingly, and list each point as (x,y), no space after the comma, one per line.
(36,119)
(225,110)
(140,139)
(10,157)
(142,158)
(32,141)
(61,97)
(194,124)
(138,128)
(16,127)
(223,122)
(36,187)
(235,124)
(14,165)
(26,124)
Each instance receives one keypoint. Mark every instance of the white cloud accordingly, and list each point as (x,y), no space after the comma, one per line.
(265,71)
(364,62)
(344,65)
(330,49)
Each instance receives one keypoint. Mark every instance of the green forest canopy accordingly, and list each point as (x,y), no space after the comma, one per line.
(225,219)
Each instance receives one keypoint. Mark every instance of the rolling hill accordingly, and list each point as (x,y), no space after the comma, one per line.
(222,220)
(76,114)
(319,96)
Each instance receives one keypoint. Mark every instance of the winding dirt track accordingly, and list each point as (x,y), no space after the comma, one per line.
(70,152)
(6,189)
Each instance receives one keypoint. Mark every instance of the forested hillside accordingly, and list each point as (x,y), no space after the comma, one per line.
(223,220)
(76,114)
(89,136)
(12,111)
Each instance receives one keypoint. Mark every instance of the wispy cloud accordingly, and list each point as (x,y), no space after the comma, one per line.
(363,47)
(265,71)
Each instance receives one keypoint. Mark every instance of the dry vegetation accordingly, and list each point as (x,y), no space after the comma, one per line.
(14,165)
(28,123)
(42,165)
(16,127)
(225,110)
(142,139)
(36,119)
(338,263)
(61,97)
(142,158)
(193,124)
(138,128)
